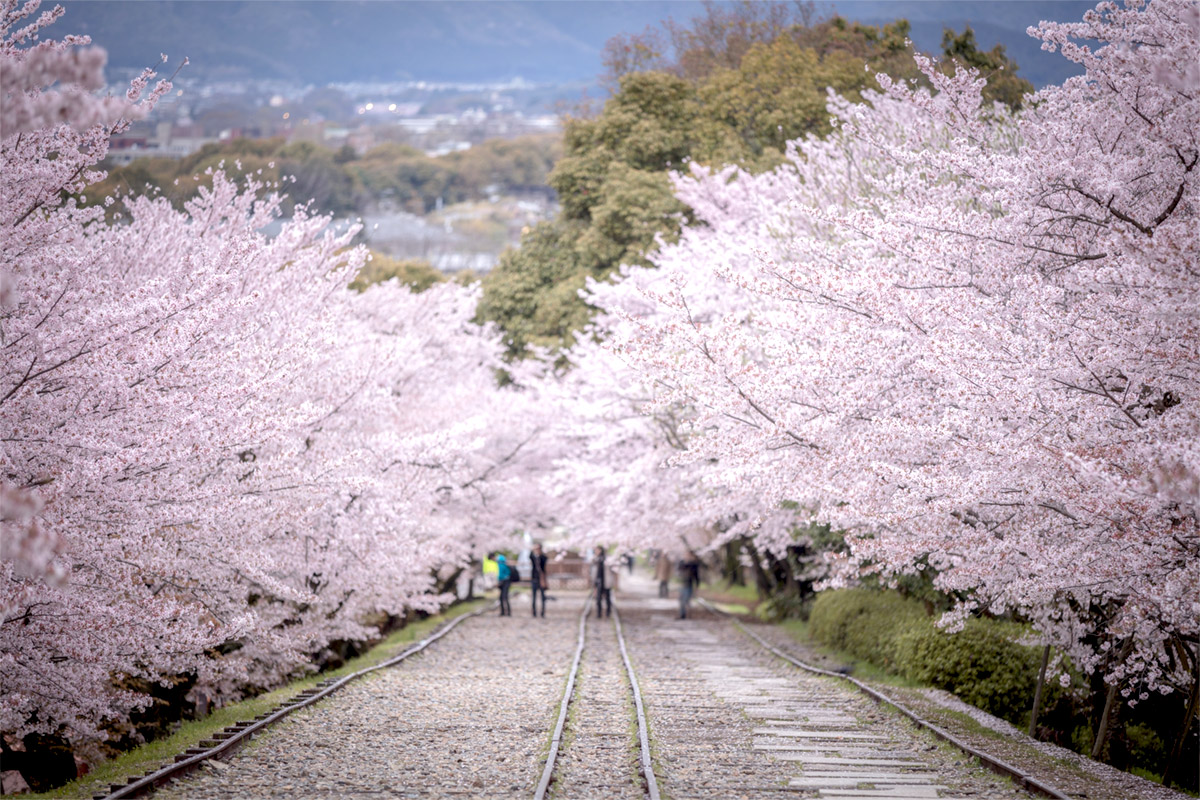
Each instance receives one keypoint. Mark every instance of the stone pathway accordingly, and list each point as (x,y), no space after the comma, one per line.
(729,720)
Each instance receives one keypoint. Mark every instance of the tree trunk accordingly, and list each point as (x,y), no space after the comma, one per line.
(789,573)
(1189,714)
(1110,699)
(1037,693)
(733,563)
(764,582)
(1102,731)
(779,573)
(446,585)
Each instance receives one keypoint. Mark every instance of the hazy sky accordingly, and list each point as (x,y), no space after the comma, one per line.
(555,41)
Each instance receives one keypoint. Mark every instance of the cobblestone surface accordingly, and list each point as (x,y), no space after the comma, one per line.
(469,717)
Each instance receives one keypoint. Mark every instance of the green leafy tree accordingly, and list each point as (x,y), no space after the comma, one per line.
(534,289)
(414,272)
(1003,83)
(342,181)
(616,199)
(732,88)
(317,177)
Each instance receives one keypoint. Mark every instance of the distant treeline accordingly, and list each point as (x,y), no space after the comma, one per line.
(343,181)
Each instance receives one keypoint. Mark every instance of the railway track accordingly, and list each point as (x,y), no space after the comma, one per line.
(733,717)
(572,697)
(997,765)
(228,741)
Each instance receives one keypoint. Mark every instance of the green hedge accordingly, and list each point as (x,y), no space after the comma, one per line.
(982,664)
(865,623)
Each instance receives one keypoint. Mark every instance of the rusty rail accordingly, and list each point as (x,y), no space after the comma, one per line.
(651,784)
(556,736)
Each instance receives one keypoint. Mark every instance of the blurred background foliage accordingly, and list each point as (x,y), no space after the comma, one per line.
(342,182)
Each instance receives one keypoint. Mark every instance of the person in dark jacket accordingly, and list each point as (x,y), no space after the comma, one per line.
(689,574)
(505,576)
(537,578)
(601,583)
(662,571)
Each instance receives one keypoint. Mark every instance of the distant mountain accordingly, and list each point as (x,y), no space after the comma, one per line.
(348,40)
(321,41)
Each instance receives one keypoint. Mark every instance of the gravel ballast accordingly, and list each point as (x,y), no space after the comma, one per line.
(469,717)
(729,720)
(598,758)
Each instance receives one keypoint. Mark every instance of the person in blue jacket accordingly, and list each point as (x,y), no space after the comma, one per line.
(505,576)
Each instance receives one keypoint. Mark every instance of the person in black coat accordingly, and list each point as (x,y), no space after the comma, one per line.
(689,574)
(537,578)
(601,583)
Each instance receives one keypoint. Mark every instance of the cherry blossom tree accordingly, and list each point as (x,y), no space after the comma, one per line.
(217,458)
(968,339)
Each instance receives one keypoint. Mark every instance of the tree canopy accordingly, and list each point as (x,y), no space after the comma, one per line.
(342,181)
(733,88)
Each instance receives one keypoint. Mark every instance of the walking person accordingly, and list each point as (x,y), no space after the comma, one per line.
(506,575)
(537,578)
(662,571)
(689,573)
(601,583)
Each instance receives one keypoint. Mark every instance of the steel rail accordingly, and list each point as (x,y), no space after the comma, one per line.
(993,763)
(643,734)
(139,786)
(557,736)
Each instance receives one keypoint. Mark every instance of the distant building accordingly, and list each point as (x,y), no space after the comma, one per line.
(169,140)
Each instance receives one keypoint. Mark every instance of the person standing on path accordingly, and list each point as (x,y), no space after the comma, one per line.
(505,576)
(537,577)
(601,582)
(662,571)
(689,573)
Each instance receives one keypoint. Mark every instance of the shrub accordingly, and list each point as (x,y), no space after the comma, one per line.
(982,664)
(783,606)
(865,623)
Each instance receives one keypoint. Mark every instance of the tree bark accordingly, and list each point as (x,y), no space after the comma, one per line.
(765,584)
(1037,692)
(1189,714)
(732,566)
(1110,699)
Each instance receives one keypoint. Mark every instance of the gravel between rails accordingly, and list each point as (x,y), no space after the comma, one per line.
(468,718)
(599,759)
(729,720)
